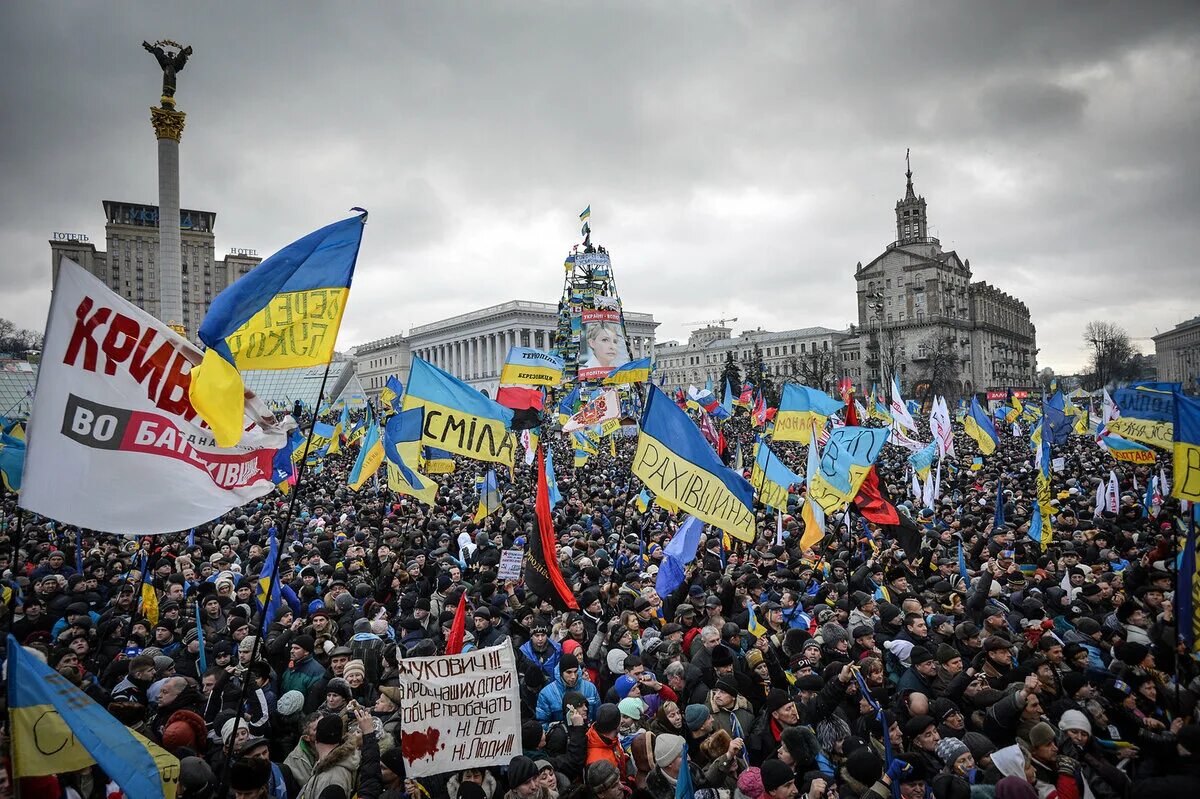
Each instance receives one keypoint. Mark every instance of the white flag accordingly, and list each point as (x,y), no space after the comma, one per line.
(601,409)
(1112,496)
(114,443)
(900,414)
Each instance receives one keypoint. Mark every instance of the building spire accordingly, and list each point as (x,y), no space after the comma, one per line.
(908,194)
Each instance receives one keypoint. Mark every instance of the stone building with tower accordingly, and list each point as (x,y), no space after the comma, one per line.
(922,318)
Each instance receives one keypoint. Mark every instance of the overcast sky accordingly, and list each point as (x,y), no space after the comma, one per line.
(739,158)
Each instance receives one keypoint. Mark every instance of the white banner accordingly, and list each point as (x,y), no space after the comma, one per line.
(601,409)
(113,441)
(511,562)
(460,711)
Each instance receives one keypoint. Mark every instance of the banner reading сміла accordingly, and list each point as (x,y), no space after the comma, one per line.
(460,711)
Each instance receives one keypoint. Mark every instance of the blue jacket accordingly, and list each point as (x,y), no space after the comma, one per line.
(549,664)
(550,698)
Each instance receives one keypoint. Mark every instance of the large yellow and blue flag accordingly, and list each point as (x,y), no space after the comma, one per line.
(488,489)
(389,397)
(979,427)
(56,728)
(772,478)
(1040,524)
(800,409)
(12,461)
(529,367)
(813,512)
(835,478)
(1186,433)
(753,625)
(370,455)
(402,448)
(631,372)
(675,462)
(285,313)
(457,417)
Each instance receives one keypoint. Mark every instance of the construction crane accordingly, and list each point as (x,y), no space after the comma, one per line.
(720,322)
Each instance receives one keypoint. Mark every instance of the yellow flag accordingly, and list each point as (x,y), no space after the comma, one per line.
(149,602)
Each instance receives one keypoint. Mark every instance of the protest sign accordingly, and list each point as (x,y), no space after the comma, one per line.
(510,565)
(114,443)
(460,711)
(1058,464)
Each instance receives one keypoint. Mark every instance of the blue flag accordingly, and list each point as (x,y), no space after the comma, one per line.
(267,595)
(679,552)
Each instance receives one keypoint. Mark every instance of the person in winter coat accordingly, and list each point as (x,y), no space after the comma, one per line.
(603,742)
(569,677)
(542,650)
(335,772)
(304,671)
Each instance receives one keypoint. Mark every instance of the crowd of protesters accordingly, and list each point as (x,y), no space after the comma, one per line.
(874,666)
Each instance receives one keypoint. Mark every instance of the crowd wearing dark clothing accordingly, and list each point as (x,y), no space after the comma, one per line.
(869,665)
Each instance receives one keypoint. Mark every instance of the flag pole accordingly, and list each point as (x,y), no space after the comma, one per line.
(262,624)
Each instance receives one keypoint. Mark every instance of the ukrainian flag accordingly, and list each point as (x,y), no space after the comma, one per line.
(438,461)
(370,456)
(979,427)
(457,417)
(800,408)
(266,595)
(285,313)
(642,501)
(551,480)
(402,448)
(529,367)
(812,512)
(567,405)
(675,462)
(585,214)
(1187,588)
(489,496)
(632,372)
(772,478)
(1186,483)
(1040,525)
(753,625)
(1124,449)
(389,398)
(45,707)
(12,461)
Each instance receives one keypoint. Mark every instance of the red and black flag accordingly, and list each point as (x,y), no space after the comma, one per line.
(542,575)
(871,503)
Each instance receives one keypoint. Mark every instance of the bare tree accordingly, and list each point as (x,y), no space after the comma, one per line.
(17,342)
(816,369)
(942,365)
(1113,357)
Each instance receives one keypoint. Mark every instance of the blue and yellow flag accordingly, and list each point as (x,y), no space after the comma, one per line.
(402,448)
(800,408)
(631,372)
(552,480)
(370,456)
(675,462)
(488,489)
(1123,449)
(772,478)
(844,463)
(979,427)
(457,417)
(1040,524)
(57,728)
(1187,589)
(529,367)
(389,397)
(642,501)
(922,460)
(1186,432)
(266,595)
(753,625)
(438,461)
(285,313)
(12,461)
(568,405)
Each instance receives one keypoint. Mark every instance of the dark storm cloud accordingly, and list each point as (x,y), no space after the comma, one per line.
(739,158)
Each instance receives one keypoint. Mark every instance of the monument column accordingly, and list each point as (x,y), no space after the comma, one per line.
(168,129)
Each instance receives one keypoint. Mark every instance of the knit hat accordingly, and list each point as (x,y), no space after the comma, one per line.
(1074,720)
(946,653)
(567,662)
(195,774)
(520,771)
(601,776)
(864,765)
(919,655)
(305,642)
(249,774)
(951,749)
(354,667)
(1041,734)
(184,728)
(775,773)
(750,783)
(1131,653)
(1072,681)
(753,658)
(330,730)
(667,747)
(247,643)
(980,745)
(608,718)
(340,687)
(291,703)
(632,707)
(695,716)
(776,699)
